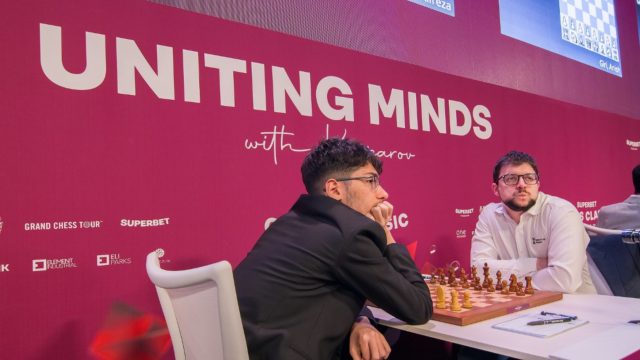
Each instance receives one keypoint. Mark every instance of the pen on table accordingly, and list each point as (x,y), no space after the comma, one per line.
(550,321)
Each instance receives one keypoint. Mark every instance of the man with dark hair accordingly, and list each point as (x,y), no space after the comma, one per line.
(303,285)
(531,233)
(624,215)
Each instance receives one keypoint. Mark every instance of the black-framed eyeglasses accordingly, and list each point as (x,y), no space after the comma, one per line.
(372,180)
(513,179)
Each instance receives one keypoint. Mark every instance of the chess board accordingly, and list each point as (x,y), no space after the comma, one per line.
(590,24)
(487,305)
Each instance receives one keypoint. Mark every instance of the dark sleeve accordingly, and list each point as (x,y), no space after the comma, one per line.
(386,277)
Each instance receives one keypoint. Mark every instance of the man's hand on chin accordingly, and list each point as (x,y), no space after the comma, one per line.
(381,214)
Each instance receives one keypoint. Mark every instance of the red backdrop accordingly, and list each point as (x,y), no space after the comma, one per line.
(104,166)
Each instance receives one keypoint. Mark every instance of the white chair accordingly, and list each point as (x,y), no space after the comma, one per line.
(594,230)
(201,310)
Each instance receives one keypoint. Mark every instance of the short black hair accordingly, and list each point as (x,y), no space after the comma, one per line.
(335,157)
(635,173)
(513,158)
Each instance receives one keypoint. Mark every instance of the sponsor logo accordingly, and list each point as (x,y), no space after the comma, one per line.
(587,210)
(144,223)
(461,234)
(443,6)
(4,268)
(62,225)
(586,204)
(112,259)
(633,145)
(53,264)
(398,221)
(536,241)
(160,252)
(464,212)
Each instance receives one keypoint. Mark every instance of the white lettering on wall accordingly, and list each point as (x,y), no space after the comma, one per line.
(333,95)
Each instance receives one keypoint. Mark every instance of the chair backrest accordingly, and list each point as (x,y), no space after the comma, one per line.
(594,230)
(201,310)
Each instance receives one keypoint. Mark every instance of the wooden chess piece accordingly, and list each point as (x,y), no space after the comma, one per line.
(434,279)
(477,285)
(520,291)
(452,276)
(499,280)
(443,279)
(466,303)
(474,272)
(463,281)
(513,283)
(505,288)
(455,304)
(529,287)
(485,272)
(490,287)
(440,298)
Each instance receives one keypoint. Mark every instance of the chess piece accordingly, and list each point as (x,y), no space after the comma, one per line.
(490,287)
(434,279)
(477,285)
(520,290)
(463,279)
(443,279)
(499,280)
(485,272)
(474,272)
(440,298)
(452,276)
(455,304)
(529,287)
(466,303)
(505,288)
(513,280)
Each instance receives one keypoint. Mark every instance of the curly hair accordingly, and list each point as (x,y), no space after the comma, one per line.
(332,158)
(513,158)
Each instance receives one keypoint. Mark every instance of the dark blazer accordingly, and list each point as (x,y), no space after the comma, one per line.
(618,262)
(307,278)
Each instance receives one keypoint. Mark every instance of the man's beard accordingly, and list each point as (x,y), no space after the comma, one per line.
(511,204)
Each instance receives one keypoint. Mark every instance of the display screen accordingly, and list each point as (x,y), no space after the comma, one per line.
(582,30)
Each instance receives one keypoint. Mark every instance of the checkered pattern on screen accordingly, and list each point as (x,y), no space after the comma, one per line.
(590,24)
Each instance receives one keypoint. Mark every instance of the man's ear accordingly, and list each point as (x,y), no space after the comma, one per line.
(333,189)
(494,187)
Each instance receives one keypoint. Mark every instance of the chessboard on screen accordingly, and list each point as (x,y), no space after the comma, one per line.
(462,299)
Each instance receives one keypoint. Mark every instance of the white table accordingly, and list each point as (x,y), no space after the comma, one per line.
(606,315)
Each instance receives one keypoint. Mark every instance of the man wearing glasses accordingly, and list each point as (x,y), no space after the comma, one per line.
(531,233)
(303,285)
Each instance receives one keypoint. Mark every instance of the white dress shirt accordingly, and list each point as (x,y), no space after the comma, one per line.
(551,229)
